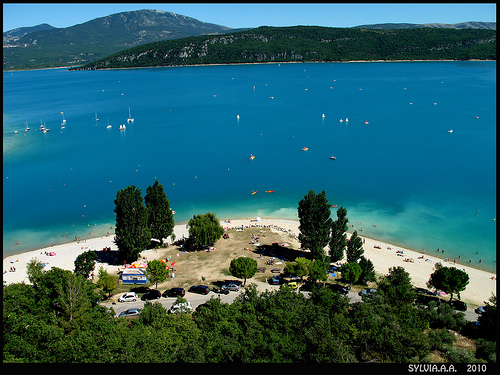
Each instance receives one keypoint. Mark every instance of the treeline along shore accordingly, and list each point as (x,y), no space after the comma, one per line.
(307,44)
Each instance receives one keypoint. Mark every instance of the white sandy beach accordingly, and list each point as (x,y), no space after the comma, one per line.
(481,285)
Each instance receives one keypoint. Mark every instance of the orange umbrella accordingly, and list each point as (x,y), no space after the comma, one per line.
(174,264)
(163,261)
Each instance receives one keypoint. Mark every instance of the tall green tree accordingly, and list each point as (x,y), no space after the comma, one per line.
(73,297)
(350,272)
(205,229)
(354,248)
(160,216)
(338,238)
(106,281)
(132,232)
(396,287)
(449,280)
(85,263)
(157,272)
(243,268)
(315,223)
(367,271)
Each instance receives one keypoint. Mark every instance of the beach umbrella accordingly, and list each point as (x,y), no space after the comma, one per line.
(52,253)
(333,275)
(163,261)
(174,264)
(258,219)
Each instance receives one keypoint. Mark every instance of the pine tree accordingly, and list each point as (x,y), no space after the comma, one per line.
(338,239)
(160,216)
(354,248)
(315,223)
(131,231)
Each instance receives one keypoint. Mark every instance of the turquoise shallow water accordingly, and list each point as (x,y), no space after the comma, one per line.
(421,186)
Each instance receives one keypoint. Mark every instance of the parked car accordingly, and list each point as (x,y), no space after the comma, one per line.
(339,288)
(201,289)
(130,312)
(275,280)
(425,300)
(174,292)
(128,297)
(151,294)
(458,305)
(220,291)
(180,307)
(231,286)
(367,292)
(291,284)
(480,310)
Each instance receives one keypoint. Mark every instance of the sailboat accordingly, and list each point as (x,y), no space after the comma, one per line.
(109,126)
(63,120)
(96,116)
(15,131)
(27,128)
(130,119)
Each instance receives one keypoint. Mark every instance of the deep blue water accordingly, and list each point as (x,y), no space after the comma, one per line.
(422,186)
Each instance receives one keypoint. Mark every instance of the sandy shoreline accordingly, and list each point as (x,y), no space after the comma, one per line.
(383,255)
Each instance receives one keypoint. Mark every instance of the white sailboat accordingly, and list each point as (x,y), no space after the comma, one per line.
(130,119)
(27,128)
(63,120)
(96,119)
(109,126)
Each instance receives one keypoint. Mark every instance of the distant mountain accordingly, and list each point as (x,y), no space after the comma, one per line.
(308,43)
(462,25)
(99,37)
(9,37)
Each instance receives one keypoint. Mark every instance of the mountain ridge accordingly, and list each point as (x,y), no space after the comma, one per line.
(44,46)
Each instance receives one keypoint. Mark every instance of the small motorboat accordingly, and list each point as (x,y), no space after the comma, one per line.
(450,131)
(333,158)
(366,122)
(305,149)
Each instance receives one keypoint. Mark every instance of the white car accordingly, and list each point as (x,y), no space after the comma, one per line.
(128,297)
(180,307)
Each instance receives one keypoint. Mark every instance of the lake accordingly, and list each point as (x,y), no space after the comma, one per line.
(400,173)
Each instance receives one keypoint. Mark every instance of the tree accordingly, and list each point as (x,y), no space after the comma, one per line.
(34,270)
(354,248)
(106,281)
(338,238)
(350,272)
(205,229)
(160,216)
(318,270)
(449,280)
(367,271)
(315,223)
(157,272)
(243,268)
(396,287)
(298,268)
(85,263)
(131,231)
(73,297)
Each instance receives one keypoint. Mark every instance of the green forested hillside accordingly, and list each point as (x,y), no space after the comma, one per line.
(309,43)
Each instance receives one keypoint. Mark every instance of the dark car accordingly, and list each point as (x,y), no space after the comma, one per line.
(339,288)
(201,289)
(174,292)
(367,292)
(151,294)
(458,305)
(426,300)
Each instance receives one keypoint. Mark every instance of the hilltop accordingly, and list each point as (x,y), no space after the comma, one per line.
(308,43)
(37,47)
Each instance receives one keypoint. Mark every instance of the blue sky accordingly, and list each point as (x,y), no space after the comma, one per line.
(256,14)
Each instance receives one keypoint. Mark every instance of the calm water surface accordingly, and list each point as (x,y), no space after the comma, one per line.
(402,177)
